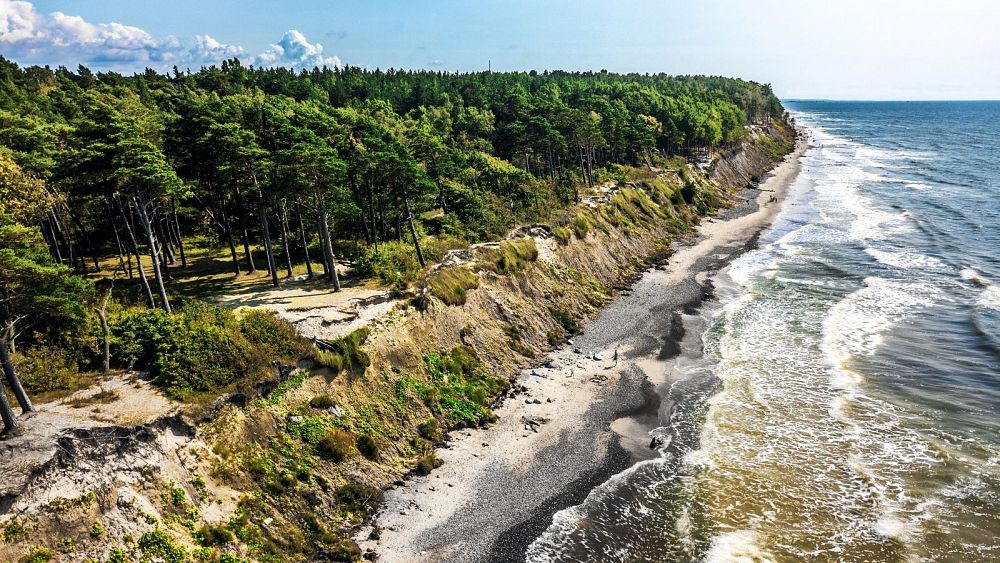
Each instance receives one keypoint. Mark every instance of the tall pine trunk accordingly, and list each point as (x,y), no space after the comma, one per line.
(242,212)
(229,239)
(11,376)
(285,242)
(330,259)
(413,230)
(266,234)
(149,228)
(305,242)
(177,232)
(138,257)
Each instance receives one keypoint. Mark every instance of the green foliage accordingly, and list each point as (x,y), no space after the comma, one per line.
(117,555)
(451,285)
(39,554)
(429,430)
(156,543)
(276,336)
(294,381)
(367,446)
(510,257)
(354,496)
(47,368)
(562,235)
(427,463)
(346,353)
(322,402)
(202,348)
(337,445)
(565,319)
(14,531)
(459,388)
(210,535)
(395,263)
(96,531)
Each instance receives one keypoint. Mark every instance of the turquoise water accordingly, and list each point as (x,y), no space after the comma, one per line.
(855,355)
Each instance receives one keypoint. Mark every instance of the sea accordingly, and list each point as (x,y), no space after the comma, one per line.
(842,402)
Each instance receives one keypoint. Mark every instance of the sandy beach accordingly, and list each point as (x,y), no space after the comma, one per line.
(580,419)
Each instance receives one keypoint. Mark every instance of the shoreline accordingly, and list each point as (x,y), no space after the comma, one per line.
(581,419)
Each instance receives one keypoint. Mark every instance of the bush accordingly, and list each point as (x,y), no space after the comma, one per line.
(367,446)
(429,430)
(562,234)
(199,349)
(451,285)
(45,368)
(345,550)
(427,463)
(511,257)
(395,263)
(565,320)
(265,329)
(39,555)
(337,445)
(156,543)
(459,388)
(322,402)
(346,353)
(354,496)
(210,535)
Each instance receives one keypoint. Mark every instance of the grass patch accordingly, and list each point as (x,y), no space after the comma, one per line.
(451,285)
(346,353)
(511,257)
(458,388)
(562,235)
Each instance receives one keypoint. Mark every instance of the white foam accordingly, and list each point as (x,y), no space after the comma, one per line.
(855,325)
(990,298)
(906,260)
(740,546)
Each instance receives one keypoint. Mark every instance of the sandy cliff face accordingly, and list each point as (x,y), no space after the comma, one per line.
(88,485)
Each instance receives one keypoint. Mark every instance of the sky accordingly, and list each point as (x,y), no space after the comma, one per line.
(848,49)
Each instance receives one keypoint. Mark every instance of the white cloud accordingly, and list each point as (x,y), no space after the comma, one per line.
(208,50)
(295,51)
(30,37)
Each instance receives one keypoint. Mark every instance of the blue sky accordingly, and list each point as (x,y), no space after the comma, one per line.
(849,49)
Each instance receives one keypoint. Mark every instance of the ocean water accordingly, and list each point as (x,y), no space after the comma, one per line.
(846,403)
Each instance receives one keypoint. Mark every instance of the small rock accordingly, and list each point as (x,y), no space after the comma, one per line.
(450,485)
(597,356)
(295,418)
(578,350)
(570,342)
(536,401)
(485,445)
(551,364)
(550,400)
(268,520)
(528,401)
(656,442)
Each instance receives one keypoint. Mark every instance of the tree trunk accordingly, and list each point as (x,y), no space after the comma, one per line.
(285,243)
(177,232)
(164,254)
(324,226)
(305,242)
(12,380)
(9,420)
(229,239)
(266,234)
(413,231)
(149,227)
(138,257)
(371,209)
(105,332)
(246,232)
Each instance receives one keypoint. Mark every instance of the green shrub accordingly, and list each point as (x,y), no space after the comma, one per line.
(510,257)
(117,555)
(458,387)
(322,402)
(196,350)
(39,554)
(337,445)
(395,263)
(265,329)
(580,225)
(565,320)
(345,550)
(451,285)
(367,446)
(429,430)
(354,496)
(211,534)
(346,353)
(426,464)
(46,368)
(156,543)
(562,234)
